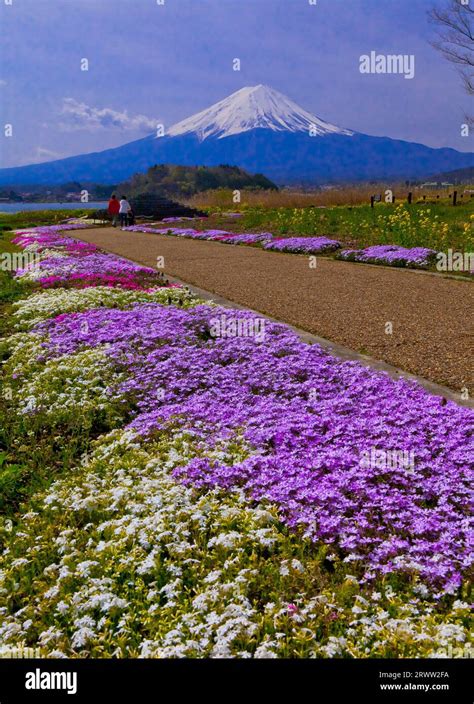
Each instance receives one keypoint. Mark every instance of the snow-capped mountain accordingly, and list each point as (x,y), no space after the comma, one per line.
(260,130)
(253,107)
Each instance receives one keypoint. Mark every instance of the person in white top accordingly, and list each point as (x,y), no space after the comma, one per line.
(125,208)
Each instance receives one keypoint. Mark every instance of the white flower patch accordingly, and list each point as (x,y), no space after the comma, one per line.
(118,547)
(77,381)
(38,307)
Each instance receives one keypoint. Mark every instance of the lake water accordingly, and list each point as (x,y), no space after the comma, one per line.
(25,207)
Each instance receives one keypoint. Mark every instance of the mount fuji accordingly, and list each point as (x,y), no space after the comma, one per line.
(260,130)
(258,107)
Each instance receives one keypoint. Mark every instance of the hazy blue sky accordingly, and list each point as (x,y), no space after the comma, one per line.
(151,62)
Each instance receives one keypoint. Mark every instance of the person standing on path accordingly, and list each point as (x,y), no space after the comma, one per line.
(114,207)
(125,208)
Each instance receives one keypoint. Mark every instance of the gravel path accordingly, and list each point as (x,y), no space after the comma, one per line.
(347,303)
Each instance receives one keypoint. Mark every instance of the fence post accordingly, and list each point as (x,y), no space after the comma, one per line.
(371,201)
(455,197)
(410,198)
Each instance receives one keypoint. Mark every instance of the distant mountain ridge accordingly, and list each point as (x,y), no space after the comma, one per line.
(457,176)
(261,131)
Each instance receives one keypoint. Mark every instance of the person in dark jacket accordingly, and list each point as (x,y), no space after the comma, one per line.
(113,209)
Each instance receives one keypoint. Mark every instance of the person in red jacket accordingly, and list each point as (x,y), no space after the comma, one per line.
(114,207)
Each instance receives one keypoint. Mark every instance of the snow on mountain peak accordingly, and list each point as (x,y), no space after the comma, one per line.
(250,108)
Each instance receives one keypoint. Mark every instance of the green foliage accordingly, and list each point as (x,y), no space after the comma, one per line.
(10,289)
(12,483)
(183,181)
(36,218)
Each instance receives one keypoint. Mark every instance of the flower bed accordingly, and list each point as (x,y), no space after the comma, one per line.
(217,388)
(53,302)
(249,238)
(224,506)
(64,261)
(391,255)
(212,235)
(303,245)
(299,245)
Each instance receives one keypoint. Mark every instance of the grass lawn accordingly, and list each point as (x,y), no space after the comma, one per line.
(36,218)
(12,470)
(10,289)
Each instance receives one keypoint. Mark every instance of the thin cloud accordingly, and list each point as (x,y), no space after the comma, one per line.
(41,154)
(79,116)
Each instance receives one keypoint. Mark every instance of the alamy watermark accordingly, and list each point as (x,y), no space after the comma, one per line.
(12,261)
(19,652)
(455,261)
(40,679)
(456,651)
(402,64)
(226,327)
(387,459)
